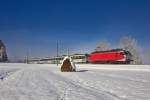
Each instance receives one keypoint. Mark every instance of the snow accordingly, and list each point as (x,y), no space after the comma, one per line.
(90,82)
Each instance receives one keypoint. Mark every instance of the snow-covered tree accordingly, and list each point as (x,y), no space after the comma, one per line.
(130,44)
(102,46)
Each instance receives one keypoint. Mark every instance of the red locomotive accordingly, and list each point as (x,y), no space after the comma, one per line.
(113,56)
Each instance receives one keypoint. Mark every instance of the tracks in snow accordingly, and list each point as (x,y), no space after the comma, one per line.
(42,83)
(90,90)
(5,73)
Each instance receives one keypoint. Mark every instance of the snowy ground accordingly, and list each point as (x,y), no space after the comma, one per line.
(91,82)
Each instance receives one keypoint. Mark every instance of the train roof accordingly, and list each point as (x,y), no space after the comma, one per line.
(112,50)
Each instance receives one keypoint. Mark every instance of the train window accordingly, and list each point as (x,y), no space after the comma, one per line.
(122,53)
(78,57)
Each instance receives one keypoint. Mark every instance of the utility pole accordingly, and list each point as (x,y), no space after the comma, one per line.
(27,58)
(57,54)
(68,52)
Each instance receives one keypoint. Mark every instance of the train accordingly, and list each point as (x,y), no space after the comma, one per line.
(114,56)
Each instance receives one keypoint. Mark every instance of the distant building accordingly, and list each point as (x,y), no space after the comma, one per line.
(3,54)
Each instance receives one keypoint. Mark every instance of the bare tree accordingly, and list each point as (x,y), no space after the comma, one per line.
(102,46)
(130,44)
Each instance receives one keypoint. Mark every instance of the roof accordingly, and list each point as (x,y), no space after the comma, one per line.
(112,50)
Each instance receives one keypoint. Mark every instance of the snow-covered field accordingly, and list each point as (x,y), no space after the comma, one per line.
(90,82)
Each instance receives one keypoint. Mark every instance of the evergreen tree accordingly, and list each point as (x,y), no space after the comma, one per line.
(3,54)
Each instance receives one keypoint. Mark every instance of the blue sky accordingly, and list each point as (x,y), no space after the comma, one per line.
(36,25)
